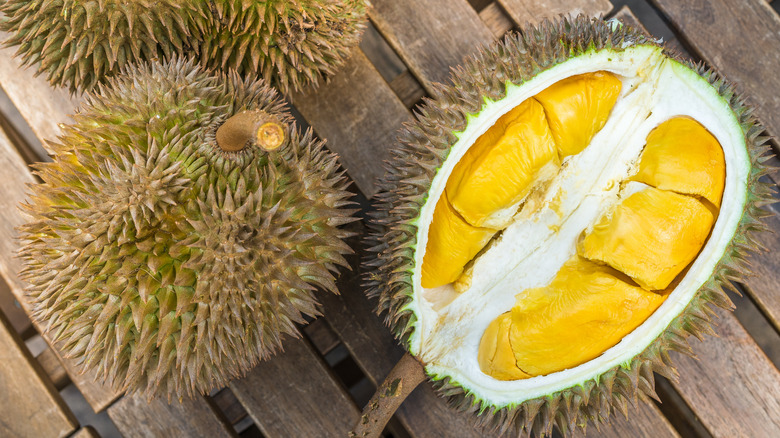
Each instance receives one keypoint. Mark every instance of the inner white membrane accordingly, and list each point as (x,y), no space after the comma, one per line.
(532,250)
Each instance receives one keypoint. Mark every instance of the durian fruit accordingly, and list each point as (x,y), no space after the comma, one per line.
(597,266)
(78,44)
(182,230)
(290,43)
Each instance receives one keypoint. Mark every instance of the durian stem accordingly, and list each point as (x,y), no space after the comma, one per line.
(406,375)
(251,127)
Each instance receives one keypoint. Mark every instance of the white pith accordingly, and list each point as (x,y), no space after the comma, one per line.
(449,326)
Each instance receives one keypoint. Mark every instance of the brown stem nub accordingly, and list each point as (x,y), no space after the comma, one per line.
(251,127)
(405,376)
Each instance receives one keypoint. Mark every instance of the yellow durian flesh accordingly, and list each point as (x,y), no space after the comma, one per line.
(585,310)
(682,156)
(501,167)
(651,236)
(451,244)
(578,107)
(496,356)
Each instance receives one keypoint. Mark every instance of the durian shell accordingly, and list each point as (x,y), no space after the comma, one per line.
(423,147)
(164,263)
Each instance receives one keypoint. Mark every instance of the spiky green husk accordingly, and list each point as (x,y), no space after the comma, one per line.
(81,43)
(164,263)
(423,148)
(290,43)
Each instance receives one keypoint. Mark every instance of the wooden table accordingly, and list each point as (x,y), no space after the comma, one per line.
(311,389)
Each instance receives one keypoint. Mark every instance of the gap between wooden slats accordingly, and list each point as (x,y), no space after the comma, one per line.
(31,406)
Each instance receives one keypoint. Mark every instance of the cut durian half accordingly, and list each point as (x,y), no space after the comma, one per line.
(520,244)
(531,250)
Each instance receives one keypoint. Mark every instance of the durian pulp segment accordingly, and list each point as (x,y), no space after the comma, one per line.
(531,251)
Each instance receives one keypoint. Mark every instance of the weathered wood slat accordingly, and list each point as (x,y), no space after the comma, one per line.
(294,394)
(322,337)
(31,407)
(532,11)
(644,421)
(134,416)
(27,92)
(53,368)
(86,432)
(430,35)
(496,19)
(42,106)
(358,113)
(375,350)
(739,39)
(732,386)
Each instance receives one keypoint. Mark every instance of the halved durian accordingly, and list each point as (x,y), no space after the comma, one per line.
(476,335)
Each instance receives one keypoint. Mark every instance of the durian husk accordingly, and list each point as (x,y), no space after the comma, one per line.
(165,263)
(404,189)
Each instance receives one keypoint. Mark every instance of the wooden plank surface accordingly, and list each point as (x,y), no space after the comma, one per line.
(86,432)
(359,115)
(135,417)
(31,407)
(370,343)
(741,39)
(732,386)
(533,11)
(42,106)
(295,394)
(644,421)
(430,35)
(496,19)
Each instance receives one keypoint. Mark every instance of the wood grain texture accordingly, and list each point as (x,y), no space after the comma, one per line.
(42,106)
(137,418)
(739,39)
(430,35)
(407,88)
(31,406)
(732,386)
(86,432)
(370,343)
(13,191)
(496,19)
(359,115)
(764,284)
(644,421)
(295,394)
(322,337)
(52,366)
(533,11)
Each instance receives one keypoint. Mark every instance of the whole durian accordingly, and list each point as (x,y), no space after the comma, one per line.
(182,229)
(557,220)
(290,43)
